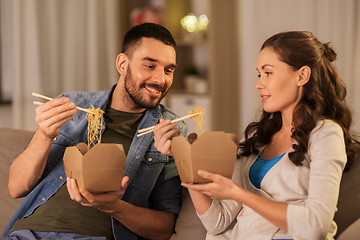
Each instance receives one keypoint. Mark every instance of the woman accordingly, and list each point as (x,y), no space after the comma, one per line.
(286,180)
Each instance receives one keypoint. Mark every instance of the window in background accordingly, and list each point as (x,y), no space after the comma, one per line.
(5,88)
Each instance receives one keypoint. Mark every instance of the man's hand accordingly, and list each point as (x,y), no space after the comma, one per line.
(163,133)
(27,168)
(104,201)
(54,113)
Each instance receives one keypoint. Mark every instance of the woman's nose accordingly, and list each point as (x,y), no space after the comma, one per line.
(259,84)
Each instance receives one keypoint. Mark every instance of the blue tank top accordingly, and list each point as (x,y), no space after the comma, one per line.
(258,170)
(260,167)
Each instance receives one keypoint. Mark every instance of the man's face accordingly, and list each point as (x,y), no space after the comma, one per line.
(149,73)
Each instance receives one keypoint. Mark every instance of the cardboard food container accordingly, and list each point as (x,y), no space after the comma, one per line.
(213,151)
(99,169)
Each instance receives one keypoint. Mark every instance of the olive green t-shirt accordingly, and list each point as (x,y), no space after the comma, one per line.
(60,213)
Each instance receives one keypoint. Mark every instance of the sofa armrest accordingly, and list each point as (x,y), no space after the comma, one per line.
(349,198)
(12,141)
(352,232)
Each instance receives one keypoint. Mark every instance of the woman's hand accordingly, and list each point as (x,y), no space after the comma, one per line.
(163,133)
(225,188)
(220,187)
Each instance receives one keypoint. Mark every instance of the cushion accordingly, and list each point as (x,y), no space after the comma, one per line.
(188,225)
(352,232)
(349,198)
(11,143)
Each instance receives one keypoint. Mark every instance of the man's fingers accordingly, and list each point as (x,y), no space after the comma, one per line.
(54,107)
(54,113)
(124,181)
(162,128)
(74,190)
(86,196)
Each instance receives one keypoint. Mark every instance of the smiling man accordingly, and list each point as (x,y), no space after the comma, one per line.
(147,206)
(148,67)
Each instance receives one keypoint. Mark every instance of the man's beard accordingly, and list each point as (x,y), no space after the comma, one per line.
(135,94)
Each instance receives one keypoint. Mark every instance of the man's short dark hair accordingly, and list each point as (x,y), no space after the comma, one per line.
(146,30)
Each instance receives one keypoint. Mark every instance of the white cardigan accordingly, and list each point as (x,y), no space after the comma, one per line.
(311,192)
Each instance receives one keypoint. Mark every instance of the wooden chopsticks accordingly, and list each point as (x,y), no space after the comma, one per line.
(145,131)
(141,132)
(48,98)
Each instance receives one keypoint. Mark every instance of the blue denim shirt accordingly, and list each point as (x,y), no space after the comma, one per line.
(153,178)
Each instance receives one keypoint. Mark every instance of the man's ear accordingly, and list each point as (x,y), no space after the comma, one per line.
(304,75)
(121,63)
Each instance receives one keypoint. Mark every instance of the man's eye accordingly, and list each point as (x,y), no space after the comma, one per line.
(169,71)
(149,66)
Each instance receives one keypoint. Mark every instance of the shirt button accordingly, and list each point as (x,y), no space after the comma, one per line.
(137,156)
(54,138)
(150,159)
(61,178)
(43,199)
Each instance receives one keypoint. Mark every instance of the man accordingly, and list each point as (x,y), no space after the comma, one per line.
(147,205)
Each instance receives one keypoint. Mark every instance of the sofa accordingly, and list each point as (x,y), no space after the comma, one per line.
(12,141)
(188,225)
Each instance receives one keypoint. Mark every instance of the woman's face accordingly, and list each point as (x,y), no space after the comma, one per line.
(278,83)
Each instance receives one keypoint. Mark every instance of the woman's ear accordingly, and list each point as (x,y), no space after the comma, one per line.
(121,62)
(304,75)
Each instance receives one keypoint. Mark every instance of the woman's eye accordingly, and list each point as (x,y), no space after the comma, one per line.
(265,73)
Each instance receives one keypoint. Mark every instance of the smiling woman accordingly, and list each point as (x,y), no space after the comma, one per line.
(304,130)
(275,76)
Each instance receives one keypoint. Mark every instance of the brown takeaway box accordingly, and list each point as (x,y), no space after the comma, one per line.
(213,151)
(99,169)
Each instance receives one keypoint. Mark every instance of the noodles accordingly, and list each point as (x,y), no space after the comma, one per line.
(199,119)
(95,126)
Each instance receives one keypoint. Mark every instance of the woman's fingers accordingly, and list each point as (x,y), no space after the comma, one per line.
(220,187)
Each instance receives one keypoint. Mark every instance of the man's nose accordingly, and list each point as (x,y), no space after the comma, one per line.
(159,76)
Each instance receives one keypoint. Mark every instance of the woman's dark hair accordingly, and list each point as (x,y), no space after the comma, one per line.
(146,30)
(323,97)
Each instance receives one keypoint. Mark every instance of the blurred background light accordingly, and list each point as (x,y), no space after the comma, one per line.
(191,23)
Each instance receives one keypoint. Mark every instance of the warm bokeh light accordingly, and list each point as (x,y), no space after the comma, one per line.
(191,23)
(203,22)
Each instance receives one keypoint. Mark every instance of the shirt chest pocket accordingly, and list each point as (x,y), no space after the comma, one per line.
(155,157)
(149,171)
